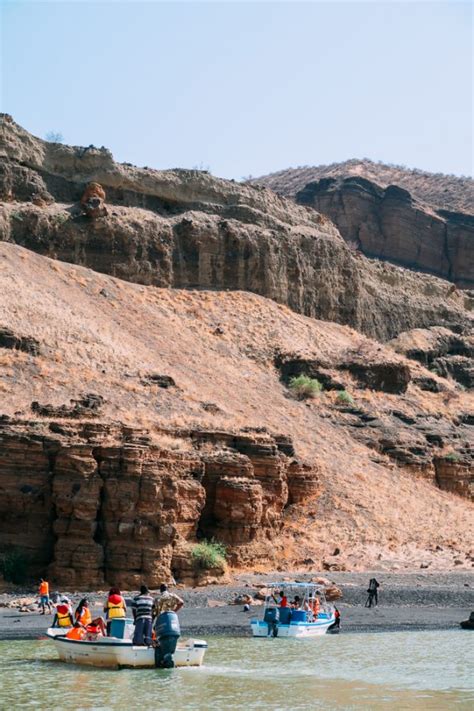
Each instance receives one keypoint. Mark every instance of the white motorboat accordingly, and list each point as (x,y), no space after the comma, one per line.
(116,652)
(302,622)
(113,652)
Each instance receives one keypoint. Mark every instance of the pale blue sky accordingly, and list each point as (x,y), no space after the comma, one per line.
(246,87)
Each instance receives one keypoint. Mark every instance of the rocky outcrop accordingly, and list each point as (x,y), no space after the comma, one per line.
(188,229)
(101,503)
(370,367)
(446,353)
(88,405)
(27,344)
(446,192)
(418,442)
(390,224)
(455,472)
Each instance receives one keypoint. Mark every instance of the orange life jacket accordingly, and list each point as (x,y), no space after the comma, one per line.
(94,629)
(44,588)
(76,633)
(85,618)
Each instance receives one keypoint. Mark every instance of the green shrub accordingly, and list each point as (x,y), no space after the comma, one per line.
(208,554)
(452,457)
(345,398)
(14,566)
(60,218)
(304,387)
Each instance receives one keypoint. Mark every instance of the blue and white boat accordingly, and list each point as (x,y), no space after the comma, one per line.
(307,615)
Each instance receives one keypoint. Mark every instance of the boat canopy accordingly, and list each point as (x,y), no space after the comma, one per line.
(289,584)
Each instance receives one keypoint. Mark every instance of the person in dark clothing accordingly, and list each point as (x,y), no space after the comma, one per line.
(142,608)
(336,625)
(373,597)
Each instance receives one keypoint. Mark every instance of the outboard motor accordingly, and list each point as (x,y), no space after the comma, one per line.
(167,634)
(272,617)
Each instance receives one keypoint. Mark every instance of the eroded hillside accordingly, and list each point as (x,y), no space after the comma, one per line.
(187,229)
(136,418)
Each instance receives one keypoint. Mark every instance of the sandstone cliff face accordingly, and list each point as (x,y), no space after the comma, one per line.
(101,503)
(390,224)
(189,229)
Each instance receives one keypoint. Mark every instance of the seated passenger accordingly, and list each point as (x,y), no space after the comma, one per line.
(296,603)
(95,629)
(83,616)
(63,616)
(316,606)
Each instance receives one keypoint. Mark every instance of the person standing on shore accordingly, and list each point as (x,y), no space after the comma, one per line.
(45,602)
(142,608)
(373,597)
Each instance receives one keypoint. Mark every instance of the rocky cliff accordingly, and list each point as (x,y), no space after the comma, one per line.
(441,191)
(390,224)
(188,229)
(99,503)
(137,419)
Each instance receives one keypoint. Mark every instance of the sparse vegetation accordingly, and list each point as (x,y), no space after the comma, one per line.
(60,218)
(304,387)
(208,554)
(344,398)
(17,216)
(14,566)
(54,137)
(452,457)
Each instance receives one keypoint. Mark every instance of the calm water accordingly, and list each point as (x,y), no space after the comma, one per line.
(415,670)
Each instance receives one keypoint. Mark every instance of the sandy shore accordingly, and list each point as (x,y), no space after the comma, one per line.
(406,601)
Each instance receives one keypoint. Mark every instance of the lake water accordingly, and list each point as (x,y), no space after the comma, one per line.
(399,670)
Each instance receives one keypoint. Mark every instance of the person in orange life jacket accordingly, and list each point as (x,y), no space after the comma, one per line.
(63,616)
(115,607)
(84,621)
(83,616)
(44,596)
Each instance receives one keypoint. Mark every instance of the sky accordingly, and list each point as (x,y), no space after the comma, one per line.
(245,88)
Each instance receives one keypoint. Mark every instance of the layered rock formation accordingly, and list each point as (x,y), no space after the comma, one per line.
(446,353)
(188,229)
(390,224)
(415,442)
(445,192)
(101,503)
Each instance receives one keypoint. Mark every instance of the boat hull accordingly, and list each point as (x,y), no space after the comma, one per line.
(116,653)
(295,630)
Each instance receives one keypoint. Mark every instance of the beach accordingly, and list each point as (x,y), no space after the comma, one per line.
(408,601)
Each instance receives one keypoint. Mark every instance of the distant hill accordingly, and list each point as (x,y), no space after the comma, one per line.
(448,192)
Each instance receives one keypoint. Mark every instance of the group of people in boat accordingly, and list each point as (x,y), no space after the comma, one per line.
(311,605)
(82,625)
